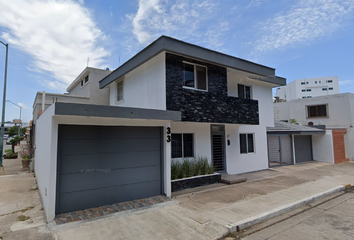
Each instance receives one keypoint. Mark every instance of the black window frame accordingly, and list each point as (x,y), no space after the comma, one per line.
(186,151)
(244,91)
(317,111)
(120,97)
(196,77)
(245,140)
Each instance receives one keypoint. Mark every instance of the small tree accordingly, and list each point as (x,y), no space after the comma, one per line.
(14,142)
(13,131)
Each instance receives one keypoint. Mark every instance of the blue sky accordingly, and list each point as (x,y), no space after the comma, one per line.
(52,41)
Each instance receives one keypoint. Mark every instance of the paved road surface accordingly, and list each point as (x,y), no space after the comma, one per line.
(331,220)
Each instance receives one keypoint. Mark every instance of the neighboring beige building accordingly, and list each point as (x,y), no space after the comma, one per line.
(335,111)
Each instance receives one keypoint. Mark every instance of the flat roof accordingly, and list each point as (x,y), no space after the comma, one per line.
(90,110)
(171,45)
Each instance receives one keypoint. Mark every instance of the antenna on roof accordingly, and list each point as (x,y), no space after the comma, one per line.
(88,60)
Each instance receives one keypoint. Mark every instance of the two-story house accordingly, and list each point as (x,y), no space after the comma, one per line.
(173,100)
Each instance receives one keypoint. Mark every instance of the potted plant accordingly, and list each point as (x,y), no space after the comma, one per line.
(26,154)
(8,154)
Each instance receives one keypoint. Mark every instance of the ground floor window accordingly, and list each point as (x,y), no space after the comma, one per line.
(182,145)
(247,143)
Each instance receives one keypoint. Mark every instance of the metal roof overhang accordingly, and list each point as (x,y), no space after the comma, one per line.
(172,45)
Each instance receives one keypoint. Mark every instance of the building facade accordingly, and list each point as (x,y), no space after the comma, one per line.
(335,111)
(171,101)
(307,88)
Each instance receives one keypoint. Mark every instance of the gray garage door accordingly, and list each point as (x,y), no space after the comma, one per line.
(100,165)
(303,148)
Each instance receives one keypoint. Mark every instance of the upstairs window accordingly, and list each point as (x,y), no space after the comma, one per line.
(308,90)
(324,89)
(84,81)
(182,145)
(303,83)
(244,91)
(330,88)
(120,85)
(329,81)
(303,90)
(246,143)
(317,111)
(195,76)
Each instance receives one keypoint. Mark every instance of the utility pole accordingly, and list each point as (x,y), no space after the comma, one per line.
(3,110)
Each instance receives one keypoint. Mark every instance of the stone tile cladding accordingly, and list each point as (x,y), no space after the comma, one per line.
(93,213)
(212,106)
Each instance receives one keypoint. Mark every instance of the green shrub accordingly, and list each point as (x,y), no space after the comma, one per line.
(175,169)
(191,167)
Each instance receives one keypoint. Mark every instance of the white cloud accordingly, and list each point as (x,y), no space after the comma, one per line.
(346,82)
(59,35)
(183,19)
(23,105)
(303,23)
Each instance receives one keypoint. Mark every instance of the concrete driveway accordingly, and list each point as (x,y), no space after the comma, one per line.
(203,213)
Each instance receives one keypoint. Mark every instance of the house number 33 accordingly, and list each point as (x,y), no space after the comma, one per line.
(168,134)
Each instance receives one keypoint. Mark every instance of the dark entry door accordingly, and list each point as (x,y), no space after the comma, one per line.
(303,148)
(218,147)
(101,165)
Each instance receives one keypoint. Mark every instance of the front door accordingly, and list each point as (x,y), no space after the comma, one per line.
(218,147)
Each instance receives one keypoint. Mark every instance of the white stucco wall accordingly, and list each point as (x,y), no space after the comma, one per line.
(45,161)
(241,163)
(322,147)
(202,138)
(263,93)
(144,87)
(339,110)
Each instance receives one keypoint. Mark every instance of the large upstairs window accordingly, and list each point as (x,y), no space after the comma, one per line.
(195,76)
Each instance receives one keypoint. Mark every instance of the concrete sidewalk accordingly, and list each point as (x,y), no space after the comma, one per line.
(208,212)
(211,212)
(21,212)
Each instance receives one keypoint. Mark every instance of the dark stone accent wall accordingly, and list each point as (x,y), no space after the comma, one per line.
(193,182)
(211,106)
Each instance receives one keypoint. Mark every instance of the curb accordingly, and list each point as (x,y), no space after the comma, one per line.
(248,222)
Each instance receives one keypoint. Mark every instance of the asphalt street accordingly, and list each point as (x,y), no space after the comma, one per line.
(333,220)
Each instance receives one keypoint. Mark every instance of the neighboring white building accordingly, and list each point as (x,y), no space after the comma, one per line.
(335,111)
(307,88)
(172,100)
(84,89)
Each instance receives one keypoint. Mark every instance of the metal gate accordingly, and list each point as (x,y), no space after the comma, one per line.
(279,150)
(218,147)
